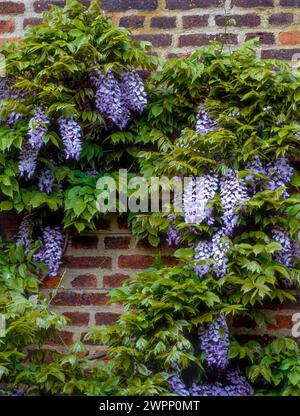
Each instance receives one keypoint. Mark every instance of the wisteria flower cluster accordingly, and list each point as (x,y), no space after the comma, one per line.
(277,174)
(214,343)
(116,100)
(70,132)
(204,122)
(9,92)
(53,239)
(52,249)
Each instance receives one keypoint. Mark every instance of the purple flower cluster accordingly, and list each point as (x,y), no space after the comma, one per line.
(233,194)
(24,233)
(176,384)
(204,123)
(9,92)
(214,343)
(133,91)
(110,100)
(117,100)
(234,384)
(46,181)
(197,193)
(220,247)
(28,161)
(71,136)
(278,172)
(52,249)
(203,252)
(38,128)
(288,254)
(173,235)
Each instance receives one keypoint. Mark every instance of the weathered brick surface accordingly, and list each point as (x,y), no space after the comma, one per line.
(172,26)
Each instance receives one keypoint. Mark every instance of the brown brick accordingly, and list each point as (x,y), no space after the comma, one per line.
(290,3)
(281,18)
(34,21)
(11,7)
(78,318)
(123,5)
(42,5)
(69,298)
(203,39)
(265,38)
(116,242)
(9,220)
(51,282)
(282,322)
(86,242)
(158,41)
(85,280)
(289,38)
(7,26)
(106,318)
(283,54)
(134,22)
(136,261)
(247,20)
(163,22)
(73,262)
(253,3)
(122,222)
(243,322)
(191,4)
(114,280)
(63,337)
(262,339)
(103,224)
(169,261)
(195,21)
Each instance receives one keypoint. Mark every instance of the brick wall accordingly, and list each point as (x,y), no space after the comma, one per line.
(174,26)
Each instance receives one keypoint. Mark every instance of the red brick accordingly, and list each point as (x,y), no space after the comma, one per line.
(68,298)
(11,7)
(114,280)
(51,282)
(85,242)
(281,18)
(33,21)
(282,322)
(253,3)
(262,339)
(116,242)
(169,261)
(136,261)
(191,4)
(6,40)
(243,322)
(163,22)
(106,318)
(290,38)
(134,22)
(42,5)
(246,20)
(123,5)
(122,222)
(103,224)
(158,41)
(283,54)
(72,262)
(7,26)
(63,337)
(203,39)
(265,38)
(85,280)
(78,318)
(195,21)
